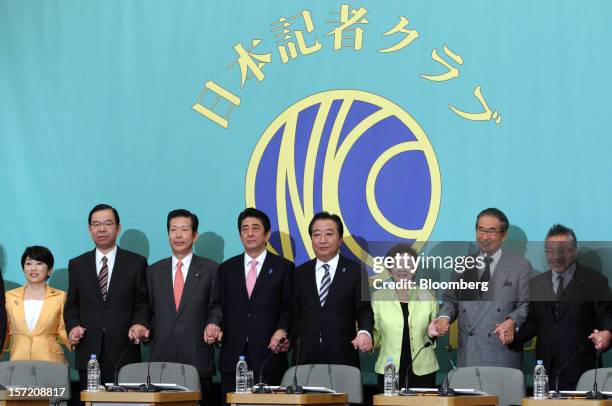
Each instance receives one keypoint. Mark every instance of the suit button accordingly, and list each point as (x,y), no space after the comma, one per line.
(463,310)
(470,334)
(248,314)
(489,335)
(103,329)
(499,310)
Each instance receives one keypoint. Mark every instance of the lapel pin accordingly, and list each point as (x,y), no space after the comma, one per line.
(16,302)
(270,271)
(343,269)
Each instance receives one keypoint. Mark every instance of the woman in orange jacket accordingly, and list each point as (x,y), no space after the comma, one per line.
(35,312)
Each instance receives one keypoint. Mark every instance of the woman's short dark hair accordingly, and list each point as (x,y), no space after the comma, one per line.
(38,253)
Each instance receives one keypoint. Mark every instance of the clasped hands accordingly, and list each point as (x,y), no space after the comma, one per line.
(504,330)
(137,334)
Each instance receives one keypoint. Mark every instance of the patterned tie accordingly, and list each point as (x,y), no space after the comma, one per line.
(251,277)
(325,282)
(486,275)
(103,278)
(179,284)
(560,289)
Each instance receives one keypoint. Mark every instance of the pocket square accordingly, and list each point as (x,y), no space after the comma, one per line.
(507,283)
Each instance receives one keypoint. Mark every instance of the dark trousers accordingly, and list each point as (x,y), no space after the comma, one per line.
(228,382)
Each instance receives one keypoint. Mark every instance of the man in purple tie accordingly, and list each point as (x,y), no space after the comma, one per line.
(257,297)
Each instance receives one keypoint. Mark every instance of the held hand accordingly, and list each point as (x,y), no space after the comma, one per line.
(505,331)
(441,325)
(211,333)
(76,334)
(138,333)
(432,331)
(363,342)
(275,341)
(220,336)
(601,339)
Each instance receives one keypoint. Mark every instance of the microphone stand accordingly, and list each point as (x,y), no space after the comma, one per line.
(262,387)
(595,394)
(557,395)
(115,387)
(445,389)
(406,391)
(295,388)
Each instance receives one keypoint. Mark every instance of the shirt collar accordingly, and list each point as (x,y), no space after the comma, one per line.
(186,262)
(109,256)
(333,263)
(568,274)
(260,259)
(496,255)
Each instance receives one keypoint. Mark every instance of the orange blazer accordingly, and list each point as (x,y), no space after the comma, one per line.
(42,344)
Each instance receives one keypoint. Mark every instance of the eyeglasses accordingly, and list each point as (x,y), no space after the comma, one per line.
(488,231)
(98,224)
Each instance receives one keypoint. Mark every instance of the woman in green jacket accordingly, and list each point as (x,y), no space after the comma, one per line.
(402,313)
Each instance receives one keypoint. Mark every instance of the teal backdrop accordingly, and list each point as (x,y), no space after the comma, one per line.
(98,106)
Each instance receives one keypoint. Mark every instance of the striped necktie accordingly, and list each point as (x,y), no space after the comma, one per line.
(325,283)
(103,278)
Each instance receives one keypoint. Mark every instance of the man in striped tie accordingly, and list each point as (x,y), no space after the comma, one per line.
(107,304)
(333,315)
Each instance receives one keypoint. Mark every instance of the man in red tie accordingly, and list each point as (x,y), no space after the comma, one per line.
(257,297)
(185,302)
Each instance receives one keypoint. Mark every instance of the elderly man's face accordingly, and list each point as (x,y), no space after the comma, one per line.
(560,252)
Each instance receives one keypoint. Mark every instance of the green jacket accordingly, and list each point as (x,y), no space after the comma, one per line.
(389,327)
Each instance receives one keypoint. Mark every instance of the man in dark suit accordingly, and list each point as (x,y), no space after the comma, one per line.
(257,297)
(570,311)
(184,292)
(331,297)
(107,302)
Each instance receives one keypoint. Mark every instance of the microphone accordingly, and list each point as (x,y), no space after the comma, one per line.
(295,388)
(557,395)
(445,389)
(115,387)
(261,386)
(406,391)
(595,394)
(148,386)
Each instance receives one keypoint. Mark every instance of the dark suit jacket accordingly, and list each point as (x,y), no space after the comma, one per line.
(2,312)
(325,334)
(178,336)
(107,322)
(562,327)
(248,323)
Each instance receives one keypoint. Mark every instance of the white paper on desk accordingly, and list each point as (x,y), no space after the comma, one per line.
(162,386)
(471,392)
(572,392)
(318,389)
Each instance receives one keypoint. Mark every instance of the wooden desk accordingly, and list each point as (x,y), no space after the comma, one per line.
(319,399)
(435,400)
(565,402)
(148,398)
(7,400)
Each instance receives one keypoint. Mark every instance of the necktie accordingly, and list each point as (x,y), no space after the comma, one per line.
(559,291)
(103,278)
(486,275)
(325,282)
(251,277)
(179,284)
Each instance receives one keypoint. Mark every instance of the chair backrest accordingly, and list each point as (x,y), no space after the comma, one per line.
(42,374)
(604,380)
(341,378)
(507,383)
(162,372)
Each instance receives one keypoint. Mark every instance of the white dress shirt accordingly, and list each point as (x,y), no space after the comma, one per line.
(110,263)
(186,262)
(247,262)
